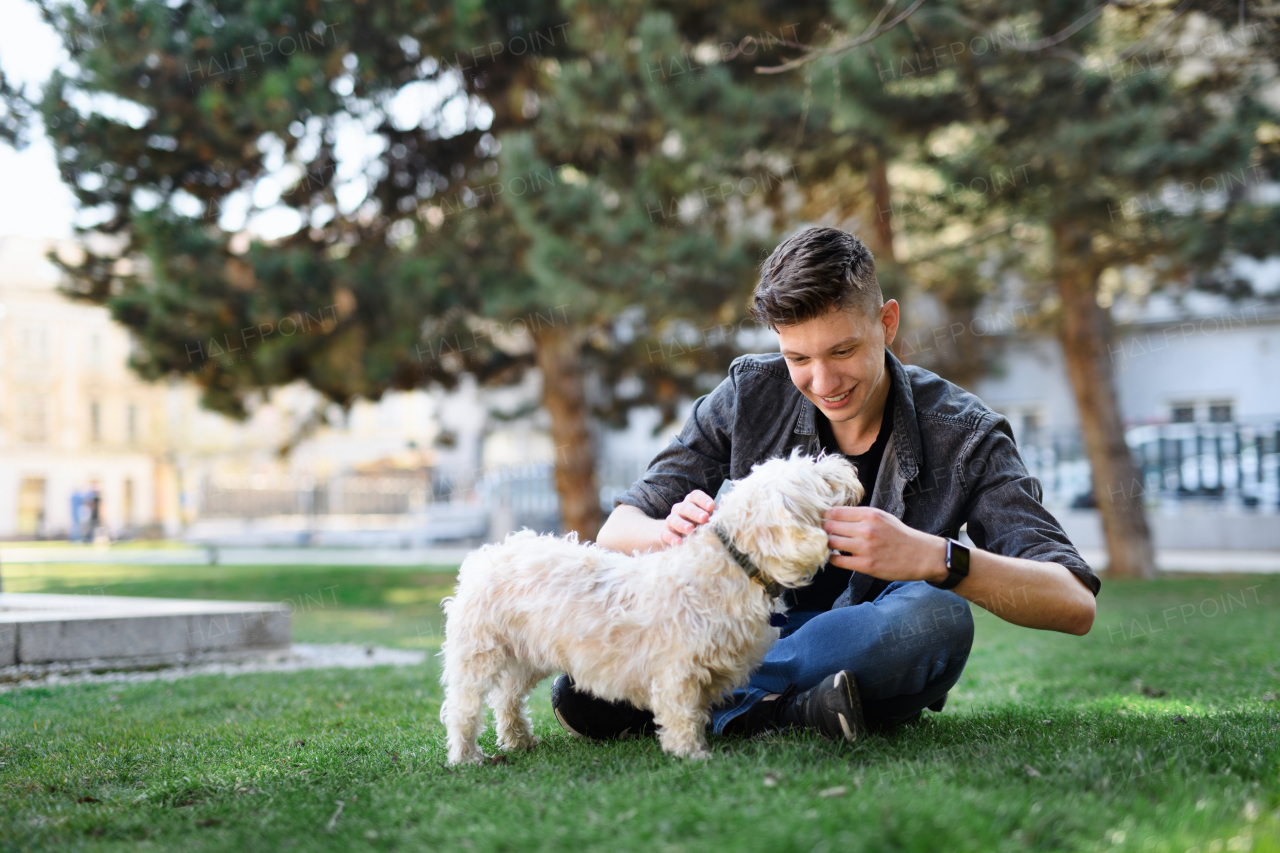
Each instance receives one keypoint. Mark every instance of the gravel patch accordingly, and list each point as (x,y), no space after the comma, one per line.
(301,656)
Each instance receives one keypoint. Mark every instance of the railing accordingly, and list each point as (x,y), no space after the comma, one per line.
(522,496)
(258,496)
(1224,464)
(1218,461)
(1227,464)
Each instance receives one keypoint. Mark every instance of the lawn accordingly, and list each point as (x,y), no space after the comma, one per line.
(1158,731)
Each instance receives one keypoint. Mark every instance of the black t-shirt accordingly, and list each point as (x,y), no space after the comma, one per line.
(831,580)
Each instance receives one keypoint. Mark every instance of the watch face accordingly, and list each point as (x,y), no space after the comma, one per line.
(957,558)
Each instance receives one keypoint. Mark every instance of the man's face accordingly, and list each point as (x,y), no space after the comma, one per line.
(837,360)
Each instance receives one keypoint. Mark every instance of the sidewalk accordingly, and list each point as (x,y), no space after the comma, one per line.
(212,554)
(1203,562)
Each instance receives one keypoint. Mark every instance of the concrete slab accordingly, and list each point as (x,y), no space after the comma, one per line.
(43,628)
(8,644)
(297,658)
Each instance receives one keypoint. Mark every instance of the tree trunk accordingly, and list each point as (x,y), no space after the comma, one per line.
(558,355)
(1117,482)
(880,237)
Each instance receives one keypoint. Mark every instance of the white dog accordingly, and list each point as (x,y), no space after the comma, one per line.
(670,630)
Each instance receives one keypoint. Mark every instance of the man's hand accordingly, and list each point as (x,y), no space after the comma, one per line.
(695,509)
(1024,592)
(882,546)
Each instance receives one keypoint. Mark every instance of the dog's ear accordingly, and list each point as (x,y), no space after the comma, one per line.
(785,532)
(842,476)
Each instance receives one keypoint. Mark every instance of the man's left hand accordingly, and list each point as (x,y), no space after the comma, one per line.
(882,546)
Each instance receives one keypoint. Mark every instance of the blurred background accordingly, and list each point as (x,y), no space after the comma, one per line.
(392,276)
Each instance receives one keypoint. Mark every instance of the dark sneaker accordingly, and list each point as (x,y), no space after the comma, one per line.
(583,715)
(831,707)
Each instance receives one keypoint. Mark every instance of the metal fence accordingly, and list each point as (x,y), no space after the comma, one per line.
(1233,465)
(262,495)
(1218,461)
(1227,464)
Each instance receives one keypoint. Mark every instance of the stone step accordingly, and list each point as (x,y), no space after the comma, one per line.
(45,628)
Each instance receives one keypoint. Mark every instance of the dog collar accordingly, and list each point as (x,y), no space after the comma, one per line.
(773,588)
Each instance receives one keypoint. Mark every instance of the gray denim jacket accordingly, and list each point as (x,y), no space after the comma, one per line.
(950,461)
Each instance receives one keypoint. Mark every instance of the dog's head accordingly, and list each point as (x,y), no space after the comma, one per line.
(774,514)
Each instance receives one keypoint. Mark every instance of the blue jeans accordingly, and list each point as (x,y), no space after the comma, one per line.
(906,649)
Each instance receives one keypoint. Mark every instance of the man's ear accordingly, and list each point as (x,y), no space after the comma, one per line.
(889,319)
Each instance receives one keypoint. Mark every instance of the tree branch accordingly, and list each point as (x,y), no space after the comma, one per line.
(846,46)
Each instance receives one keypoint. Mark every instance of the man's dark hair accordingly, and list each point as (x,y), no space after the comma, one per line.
(812,271)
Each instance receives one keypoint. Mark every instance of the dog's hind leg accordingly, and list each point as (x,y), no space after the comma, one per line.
(468,676)
(515,731)
(680,708)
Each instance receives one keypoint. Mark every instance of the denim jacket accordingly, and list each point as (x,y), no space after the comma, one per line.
(950,461)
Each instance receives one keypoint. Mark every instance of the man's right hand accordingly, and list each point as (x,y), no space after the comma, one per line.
(686,516)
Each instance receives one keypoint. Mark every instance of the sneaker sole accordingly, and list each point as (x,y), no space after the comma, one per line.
(841,681)
(572,732)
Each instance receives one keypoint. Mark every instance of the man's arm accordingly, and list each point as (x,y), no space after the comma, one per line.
(1024,569)
(1027,592)
(1030,593)
(629,530)
(673,495)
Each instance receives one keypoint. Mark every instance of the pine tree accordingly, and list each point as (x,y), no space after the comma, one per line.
(15,114)
(612,188)
(1079,134)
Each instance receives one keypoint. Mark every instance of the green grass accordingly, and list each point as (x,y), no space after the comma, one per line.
(330,604)
(1121,740)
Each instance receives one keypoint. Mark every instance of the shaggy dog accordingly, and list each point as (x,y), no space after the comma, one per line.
(670,630)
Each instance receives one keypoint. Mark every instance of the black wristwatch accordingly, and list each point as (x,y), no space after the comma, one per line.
(957,565)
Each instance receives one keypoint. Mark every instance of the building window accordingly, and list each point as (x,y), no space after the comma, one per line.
(34,347)
(128,501)
(132,423)
(1030,427)
(31,506)
(1026,419)
(95,421)
(1184,413)
(33,425)
(1220,413)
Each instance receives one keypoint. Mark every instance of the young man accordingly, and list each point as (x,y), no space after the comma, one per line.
(885,629)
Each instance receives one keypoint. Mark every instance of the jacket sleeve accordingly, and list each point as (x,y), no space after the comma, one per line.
(1005,513)
(697,458)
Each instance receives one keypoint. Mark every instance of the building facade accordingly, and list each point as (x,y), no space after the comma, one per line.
(1208,362)
(73,418)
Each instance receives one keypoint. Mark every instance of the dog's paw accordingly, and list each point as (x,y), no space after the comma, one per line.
(693,753)
(519,743)
(474,756)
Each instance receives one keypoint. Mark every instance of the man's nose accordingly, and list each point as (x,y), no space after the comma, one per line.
(825,381)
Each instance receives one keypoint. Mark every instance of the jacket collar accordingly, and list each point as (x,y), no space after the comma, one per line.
(902,456)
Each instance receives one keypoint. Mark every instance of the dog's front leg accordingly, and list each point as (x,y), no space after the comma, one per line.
(680,708)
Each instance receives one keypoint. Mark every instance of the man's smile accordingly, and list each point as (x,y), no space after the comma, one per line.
(838,400)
